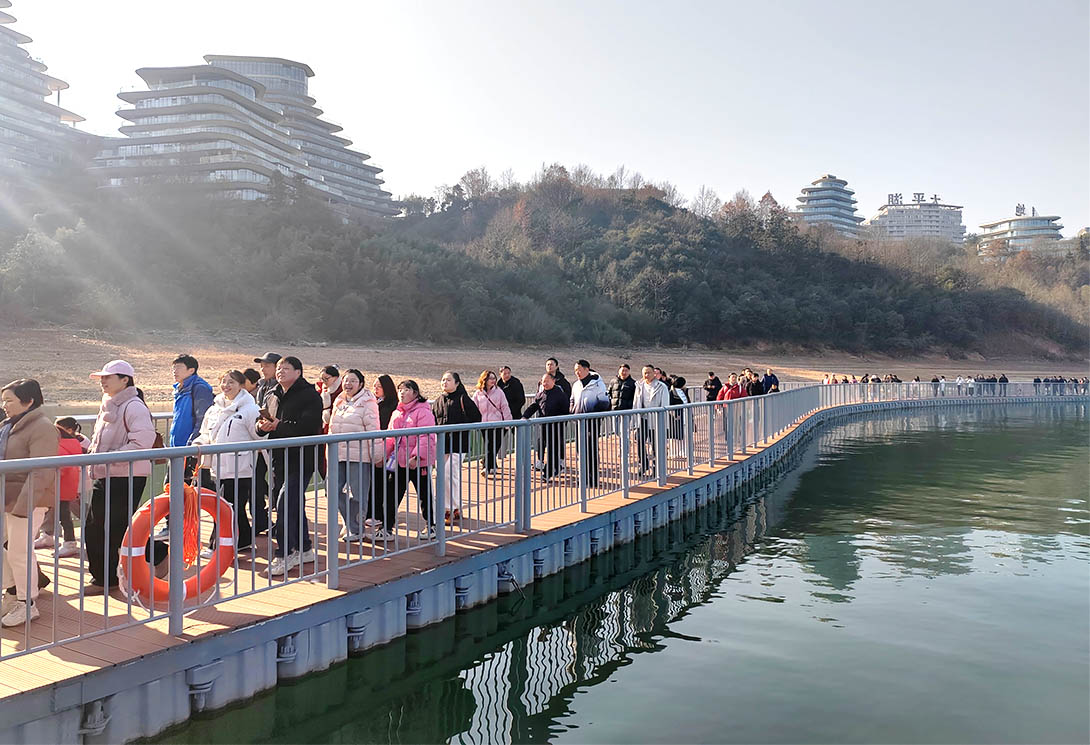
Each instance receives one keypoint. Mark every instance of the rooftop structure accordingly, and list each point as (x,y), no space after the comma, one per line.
(237,126)
(920,218)
(35,134)
(829,200)
(1022,230)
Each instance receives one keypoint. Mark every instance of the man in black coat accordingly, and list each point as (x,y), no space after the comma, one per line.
(513,390)
(550,401)
(712,386)
(622,389)
(295,408)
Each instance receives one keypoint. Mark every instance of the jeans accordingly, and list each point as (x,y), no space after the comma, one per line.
(290,501)
(355,479)
(103,536)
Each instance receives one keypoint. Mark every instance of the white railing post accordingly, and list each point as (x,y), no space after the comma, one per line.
(583,450)
(623,422)
(333,488)
(439,515)
(711,409)
(521,433)
(690,436)
(660,446)
(175,559)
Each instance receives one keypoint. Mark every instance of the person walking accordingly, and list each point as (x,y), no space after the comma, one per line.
(454,406)
(550,401)
(232,418)
(493,406)
(124,423)
(356,410)
(409,459)
(192,397)
(513,390)
(651,393)
(266,385)
(712,386)
(622,389)
(589,395)
(1003,384)
(770,382)
(298,413)
(25,432)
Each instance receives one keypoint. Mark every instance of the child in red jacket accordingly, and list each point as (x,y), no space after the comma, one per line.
(71,442)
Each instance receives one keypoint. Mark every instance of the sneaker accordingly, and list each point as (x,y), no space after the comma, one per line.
(162,535)
(352,537)
(426,534)
(45,540)
(371,523)
(207,553)
(281,565)
(17,616)
(381,534)
(7,604)
(309,556)
(66,549)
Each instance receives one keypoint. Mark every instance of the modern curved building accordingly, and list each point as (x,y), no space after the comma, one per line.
(828,200)
(35,135)
(200,125)
(1022,230)
(232,127)
(345,172)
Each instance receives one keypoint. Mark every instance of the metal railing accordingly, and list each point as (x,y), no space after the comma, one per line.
(467,479)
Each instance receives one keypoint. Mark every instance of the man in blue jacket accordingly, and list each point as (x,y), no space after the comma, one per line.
(192,397)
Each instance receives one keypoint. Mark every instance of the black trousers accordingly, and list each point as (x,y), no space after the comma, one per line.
(588,451)
(104,535)
(238,499)
(493,441)
(552,445)
(292,474)
(260,514)
(394,486)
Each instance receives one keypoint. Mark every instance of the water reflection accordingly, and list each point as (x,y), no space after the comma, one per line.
(887,498)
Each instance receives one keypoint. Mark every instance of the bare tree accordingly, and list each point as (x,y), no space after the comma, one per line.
(583,175)
(636,180)
(671,194)
(618,178)
(476,184)
(706,202)
(507,180)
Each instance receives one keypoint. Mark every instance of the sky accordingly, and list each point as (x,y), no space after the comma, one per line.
(985,103)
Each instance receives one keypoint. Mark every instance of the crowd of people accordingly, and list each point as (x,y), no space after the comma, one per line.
(972,385)
(274,401)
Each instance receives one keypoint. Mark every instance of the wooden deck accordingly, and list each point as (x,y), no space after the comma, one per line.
(488,502)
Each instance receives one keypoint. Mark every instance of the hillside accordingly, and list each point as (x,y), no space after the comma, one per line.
(552,262)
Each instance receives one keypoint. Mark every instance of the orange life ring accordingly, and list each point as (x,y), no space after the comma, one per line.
(141,578)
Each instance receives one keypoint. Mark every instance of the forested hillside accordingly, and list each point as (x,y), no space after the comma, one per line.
(557,260)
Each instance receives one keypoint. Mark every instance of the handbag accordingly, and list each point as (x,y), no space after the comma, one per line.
(158,445)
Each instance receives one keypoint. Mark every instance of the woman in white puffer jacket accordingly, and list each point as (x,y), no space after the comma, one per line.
(232,417)
(355,410)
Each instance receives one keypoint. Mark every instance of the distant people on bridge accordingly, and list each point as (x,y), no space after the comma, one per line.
(232,418)
(25,432)
(454,406)
(1003,384)
(513,390)
(770,382)
(959,382)
(293,409)
(356,410)
(266,364)
(589,395)
(622,389)
(1036,385)
(550,401)
(491,402)
(124,423)
(409,460)
(651,393)
(712,386)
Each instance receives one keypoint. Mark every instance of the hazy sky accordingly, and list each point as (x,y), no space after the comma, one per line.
(985,103)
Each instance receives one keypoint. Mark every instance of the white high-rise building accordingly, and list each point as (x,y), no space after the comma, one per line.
(920,218)
(829,200)
(1022,230)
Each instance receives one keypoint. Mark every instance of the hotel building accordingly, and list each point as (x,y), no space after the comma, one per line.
(918,219)
(35,135)
(237,128)
(1022,230)
(828,200)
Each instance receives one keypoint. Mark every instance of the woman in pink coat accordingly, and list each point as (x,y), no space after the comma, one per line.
(409,459)
(492,402)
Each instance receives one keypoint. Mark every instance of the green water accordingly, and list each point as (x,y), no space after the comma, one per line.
(913,578)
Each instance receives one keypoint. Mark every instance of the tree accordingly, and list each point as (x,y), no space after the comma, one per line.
(706,202)
(476,184)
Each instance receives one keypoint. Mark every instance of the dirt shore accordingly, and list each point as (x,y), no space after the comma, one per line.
(61,359)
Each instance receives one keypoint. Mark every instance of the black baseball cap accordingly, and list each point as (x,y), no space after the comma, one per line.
(268,357)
